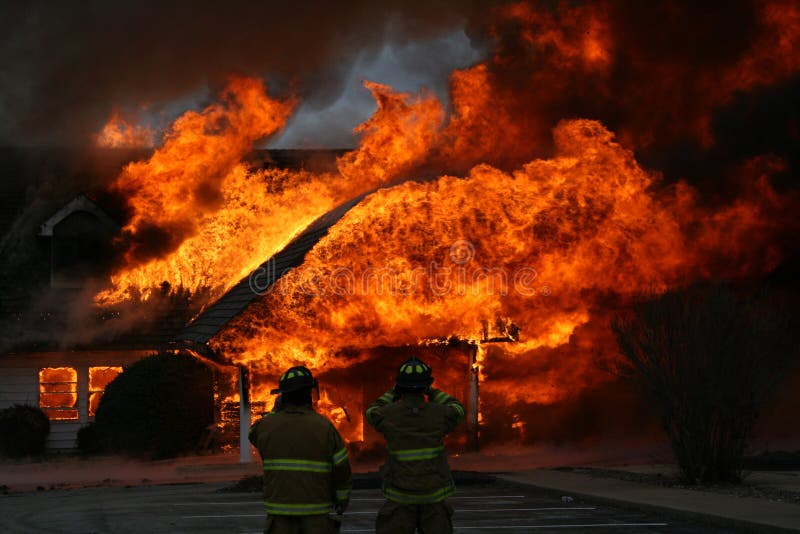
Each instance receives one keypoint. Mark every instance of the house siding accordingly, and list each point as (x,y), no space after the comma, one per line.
(19,384)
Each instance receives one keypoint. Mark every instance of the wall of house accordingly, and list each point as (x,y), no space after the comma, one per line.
(19,384)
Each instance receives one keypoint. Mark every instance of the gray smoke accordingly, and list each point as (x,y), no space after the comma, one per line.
(66,65)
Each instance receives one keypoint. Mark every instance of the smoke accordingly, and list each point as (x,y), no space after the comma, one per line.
(664,76)
(672,79)
(66,65)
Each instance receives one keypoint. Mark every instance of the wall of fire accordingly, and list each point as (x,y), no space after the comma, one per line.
(345,392)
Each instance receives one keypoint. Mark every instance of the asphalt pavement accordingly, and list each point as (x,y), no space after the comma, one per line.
(489,507)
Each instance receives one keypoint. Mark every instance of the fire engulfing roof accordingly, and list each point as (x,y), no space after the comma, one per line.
(211,321)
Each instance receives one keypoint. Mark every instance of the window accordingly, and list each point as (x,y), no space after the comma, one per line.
(99,378)
(58,393)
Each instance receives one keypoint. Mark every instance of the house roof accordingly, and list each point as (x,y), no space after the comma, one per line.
(232,303)
(79,203)
(33,315)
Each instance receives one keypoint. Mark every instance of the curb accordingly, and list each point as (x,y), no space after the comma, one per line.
(739,525)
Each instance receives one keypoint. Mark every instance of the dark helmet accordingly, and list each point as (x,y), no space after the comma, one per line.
(414,373)
(296,378)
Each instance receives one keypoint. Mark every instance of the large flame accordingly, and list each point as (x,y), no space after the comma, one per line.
(493,232)
(542,245)
(202,219)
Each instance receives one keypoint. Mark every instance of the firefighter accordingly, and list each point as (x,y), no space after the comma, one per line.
(306,469)
(416,477)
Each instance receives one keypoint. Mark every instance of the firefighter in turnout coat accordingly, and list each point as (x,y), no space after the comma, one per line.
(416,477)
(306,469)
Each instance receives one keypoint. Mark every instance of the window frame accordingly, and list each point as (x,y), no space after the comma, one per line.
(73,411)
(90,392)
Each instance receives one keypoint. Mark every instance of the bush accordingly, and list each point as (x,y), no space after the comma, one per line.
(23,431)
(156,408)
(708,361)
(88,440)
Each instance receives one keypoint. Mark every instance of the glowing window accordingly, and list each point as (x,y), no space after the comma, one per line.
(58,393)
(99,378)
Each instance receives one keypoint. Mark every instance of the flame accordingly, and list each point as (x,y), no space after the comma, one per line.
(544,245)
(99,378)
(118,133)
(202,220)
(560,226)
(58,393)
(499,230)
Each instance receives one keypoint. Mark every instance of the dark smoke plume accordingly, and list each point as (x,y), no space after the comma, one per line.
(66,65)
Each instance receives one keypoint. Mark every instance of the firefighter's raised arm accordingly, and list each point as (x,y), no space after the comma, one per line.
(456,414)
(374,413)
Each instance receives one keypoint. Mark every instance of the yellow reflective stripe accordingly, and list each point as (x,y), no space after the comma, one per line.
(459,409)
(290,464)
(280,508)
(342,494)
(410,455)
(418,498)
(441,397)
(388,397)
(340,456)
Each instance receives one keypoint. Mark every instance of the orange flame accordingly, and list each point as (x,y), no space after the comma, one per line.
(214,220)
(118,133)
(551,245)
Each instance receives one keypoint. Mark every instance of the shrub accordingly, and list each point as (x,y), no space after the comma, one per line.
(88,440)
(23,431)
(156,408)
(708,361)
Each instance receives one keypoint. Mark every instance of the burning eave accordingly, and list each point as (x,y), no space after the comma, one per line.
(259,281)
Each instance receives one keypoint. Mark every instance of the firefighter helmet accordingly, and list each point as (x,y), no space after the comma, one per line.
(296,378)
(414,373)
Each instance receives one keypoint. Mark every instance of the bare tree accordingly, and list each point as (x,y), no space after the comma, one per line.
(708,360)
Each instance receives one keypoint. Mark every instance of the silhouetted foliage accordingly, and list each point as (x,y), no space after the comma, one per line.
(156,408)
(88,440)
(23,431)
(708,360)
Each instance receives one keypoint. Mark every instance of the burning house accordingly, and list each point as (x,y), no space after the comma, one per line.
(40,366)
(593,153)
(345,393)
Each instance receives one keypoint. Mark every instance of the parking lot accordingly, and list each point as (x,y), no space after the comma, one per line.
(485,508)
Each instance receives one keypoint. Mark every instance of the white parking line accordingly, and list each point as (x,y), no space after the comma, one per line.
(208,503)
(483,510)
(525,509)
(222,515)
(224,503)
(600,525)
(518,527)
(463,510)
(587,525)
(457,497)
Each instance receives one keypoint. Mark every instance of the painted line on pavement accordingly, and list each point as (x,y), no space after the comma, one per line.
(462,510)
(592,525)
(207,503)
(264,515)
(223,503)
(525,509)
(459,497)
(586,525)
(483,510)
